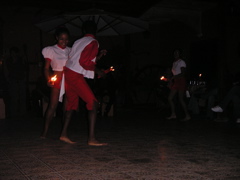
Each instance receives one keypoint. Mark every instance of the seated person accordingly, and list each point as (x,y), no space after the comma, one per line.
(233,96)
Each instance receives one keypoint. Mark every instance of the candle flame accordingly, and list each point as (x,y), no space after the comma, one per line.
(162,78)
(112,69)
(54,78)
(200,75)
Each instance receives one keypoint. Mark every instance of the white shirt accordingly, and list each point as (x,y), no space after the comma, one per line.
(57,55)
(177,65)
(74,56)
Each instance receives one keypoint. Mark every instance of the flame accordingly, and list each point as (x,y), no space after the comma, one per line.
(112,69)
(54,78)
(162,78)
(200,75)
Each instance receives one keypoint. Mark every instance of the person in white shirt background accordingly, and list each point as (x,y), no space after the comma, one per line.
(178,85)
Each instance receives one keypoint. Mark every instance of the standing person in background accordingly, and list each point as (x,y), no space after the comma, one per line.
(55,57)
(178,85)
(81,65)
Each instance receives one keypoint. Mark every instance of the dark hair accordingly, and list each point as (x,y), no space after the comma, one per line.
(180,51)
(89,27)
(61,30)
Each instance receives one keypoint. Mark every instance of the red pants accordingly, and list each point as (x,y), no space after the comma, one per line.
(179,84)
(57,83)
(75,87)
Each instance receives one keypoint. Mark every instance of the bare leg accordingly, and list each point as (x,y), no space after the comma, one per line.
(184,106)
(63,136)
(92,115)
(172,105)
(53,102)
(63,109)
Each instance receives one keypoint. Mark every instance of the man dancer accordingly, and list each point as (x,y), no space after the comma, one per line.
(81,63)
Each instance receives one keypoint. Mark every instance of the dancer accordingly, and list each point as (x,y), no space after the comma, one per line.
(178,85)
(81,65)
(55,59)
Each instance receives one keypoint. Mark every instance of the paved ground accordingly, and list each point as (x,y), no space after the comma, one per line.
(142,145)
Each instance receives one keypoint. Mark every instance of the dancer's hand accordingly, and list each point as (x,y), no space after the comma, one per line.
(102,53)
(49,83)
(100,72)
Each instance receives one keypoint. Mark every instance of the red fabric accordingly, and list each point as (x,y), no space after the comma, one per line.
(179,84)
(75,87)
(86,57)
(47,59)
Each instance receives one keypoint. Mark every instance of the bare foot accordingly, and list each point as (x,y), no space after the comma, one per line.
(66,140)
(96,143)
(42,137)
(187,118)
(172,117)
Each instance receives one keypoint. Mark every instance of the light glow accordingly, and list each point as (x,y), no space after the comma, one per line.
(162,78)
(54,78)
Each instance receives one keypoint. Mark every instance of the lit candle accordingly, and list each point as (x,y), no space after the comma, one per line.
(112,69)
(108,70)
(53,79)
(162,78)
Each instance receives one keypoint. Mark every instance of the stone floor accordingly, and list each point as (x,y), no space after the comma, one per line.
(142,145)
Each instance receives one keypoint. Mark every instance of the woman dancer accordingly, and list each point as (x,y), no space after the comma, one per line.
(55,59)
(178,85)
